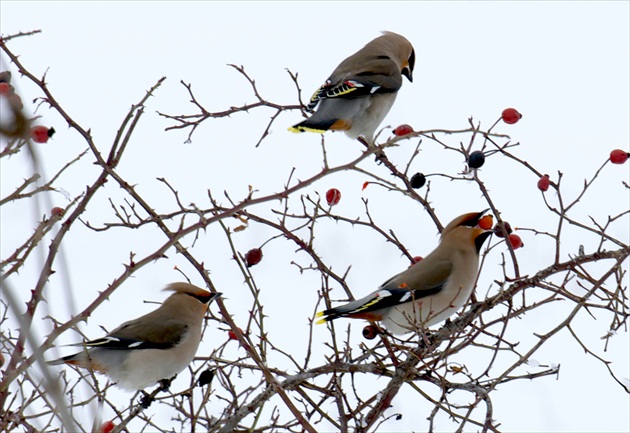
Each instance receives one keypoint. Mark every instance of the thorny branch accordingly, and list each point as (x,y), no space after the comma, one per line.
(263,385)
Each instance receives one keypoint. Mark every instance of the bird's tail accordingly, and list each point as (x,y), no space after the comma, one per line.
(321,126)
(323,317)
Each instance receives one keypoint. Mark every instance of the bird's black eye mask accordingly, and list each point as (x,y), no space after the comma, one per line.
(204,299)
(412,60)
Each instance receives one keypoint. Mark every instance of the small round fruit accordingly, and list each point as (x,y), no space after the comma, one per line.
(205,377)
(415,260)
(57,212)
(619,156)
(497,229)
(107,427)
(253,257)
(543,183)
(515,240)
(370,332)
(333,195)
(5,89)
(402,130)
(418,180)
(232,334)
(476,159)
(511,116)
(485,222)
(41,134)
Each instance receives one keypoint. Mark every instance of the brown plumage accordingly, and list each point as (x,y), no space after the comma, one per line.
(429,291)
(362,89)
(153,347)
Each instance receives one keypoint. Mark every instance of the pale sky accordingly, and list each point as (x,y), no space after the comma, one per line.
(563,65)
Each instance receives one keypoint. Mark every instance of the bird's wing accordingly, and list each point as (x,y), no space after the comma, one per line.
(428,275)
(138,334)
(382,77)
(417,282)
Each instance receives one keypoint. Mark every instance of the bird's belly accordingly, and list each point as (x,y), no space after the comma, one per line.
(426,312)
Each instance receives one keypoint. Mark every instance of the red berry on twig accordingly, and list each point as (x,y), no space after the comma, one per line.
(232,334)
(370,332)
(511,116)
(253,257)
(402,130)
(619,156)
(333,195)
(5,89)
(107,427)
(497,229)
(485,222)
(543,183)
(41,134)
(515,240)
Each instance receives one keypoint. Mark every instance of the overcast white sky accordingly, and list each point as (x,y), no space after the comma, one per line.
(564,65)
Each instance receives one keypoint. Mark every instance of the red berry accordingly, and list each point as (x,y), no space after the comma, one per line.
(333,195)
(370,332)
(511,116)
(365,185)
(57,212)
(485,222)
(5,89)
(402,130)
(619,156)
(106,427)
(41,134)
(515,240)
(232,334)
(415,260)
(543,183)
(497,229)
(253,257)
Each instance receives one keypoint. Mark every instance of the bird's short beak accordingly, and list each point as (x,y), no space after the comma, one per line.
(407,73)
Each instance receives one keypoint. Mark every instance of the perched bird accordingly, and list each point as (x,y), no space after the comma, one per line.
(360,92)
(150,348)
(428,291)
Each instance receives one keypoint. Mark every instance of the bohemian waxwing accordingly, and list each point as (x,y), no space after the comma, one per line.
(440,284)
(360,92)
(150,348)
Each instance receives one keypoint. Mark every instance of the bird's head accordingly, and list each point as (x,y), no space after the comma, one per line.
(465,229)
(186,291)
(403,51)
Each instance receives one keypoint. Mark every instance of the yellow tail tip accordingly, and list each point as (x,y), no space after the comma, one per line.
(298,129)
(322,320)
